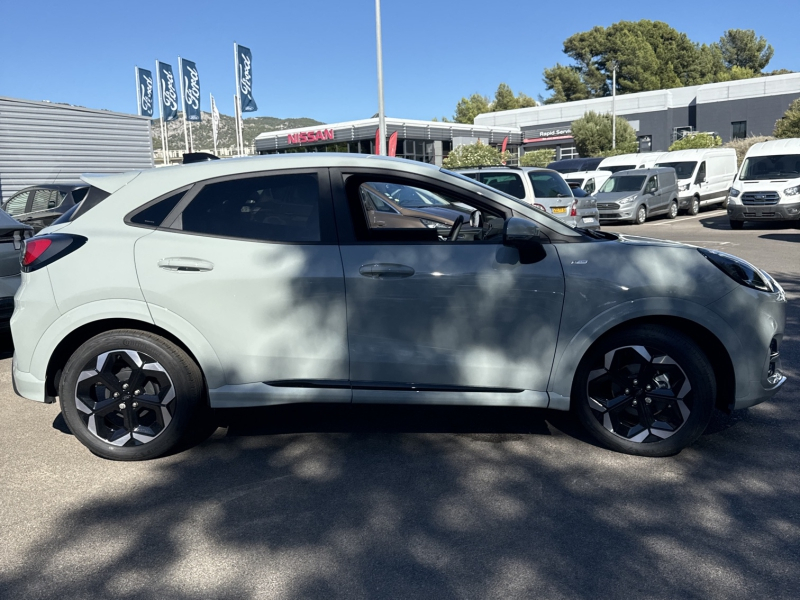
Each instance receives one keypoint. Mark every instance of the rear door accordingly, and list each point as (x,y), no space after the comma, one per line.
(431,320)
(252,263)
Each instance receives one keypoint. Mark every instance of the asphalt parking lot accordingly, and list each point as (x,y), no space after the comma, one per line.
(424,502)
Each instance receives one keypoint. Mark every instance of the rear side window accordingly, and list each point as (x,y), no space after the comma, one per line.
(17,204)
(155,214)
(278,208)
(510,183)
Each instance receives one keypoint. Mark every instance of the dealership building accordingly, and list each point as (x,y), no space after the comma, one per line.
(732,109)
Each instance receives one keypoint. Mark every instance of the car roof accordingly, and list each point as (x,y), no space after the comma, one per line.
(788,146)
(503,168)
(61,187)
(586,173)
(650,171)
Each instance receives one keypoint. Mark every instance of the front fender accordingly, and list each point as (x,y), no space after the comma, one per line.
(135,310)
(569,352)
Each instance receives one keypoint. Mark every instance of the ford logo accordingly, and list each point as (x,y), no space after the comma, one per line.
(760,197)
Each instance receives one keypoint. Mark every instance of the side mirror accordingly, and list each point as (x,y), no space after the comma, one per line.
(519,232)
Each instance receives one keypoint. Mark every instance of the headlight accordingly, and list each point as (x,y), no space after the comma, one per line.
(734,193)
(684,187)
(740,270)
(627,200)
(432,224)
(792,191)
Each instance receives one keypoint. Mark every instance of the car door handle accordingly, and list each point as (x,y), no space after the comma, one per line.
(386,271)
(185,264)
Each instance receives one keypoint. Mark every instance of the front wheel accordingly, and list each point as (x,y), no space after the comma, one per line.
(641,215)
(673,210)
(131,395)
(694,206)
(647,391)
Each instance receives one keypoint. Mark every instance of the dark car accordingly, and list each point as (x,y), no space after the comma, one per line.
(573,165)
(40,205)
(12,234)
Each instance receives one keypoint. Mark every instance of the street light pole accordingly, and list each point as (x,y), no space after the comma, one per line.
(381,115)
(614,107)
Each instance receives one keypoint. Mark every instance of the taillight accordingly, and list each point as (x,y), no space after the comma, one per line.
(40,251)
(540,207)
(573,212)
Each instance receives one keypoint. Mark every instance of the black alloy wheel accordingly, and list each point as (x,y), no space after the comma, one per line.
(673,210)
(641,215)
(694,206)
(647,391)
(131,395)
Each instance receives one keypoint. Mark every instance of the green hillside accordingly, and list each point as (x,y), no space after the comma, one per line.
(202,136)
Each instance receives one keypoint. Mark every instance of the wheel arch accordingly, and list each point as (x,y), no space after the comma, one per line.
(712,335)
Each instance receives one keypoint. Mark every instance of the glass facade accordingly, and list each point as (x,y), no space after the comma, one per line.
(421,150)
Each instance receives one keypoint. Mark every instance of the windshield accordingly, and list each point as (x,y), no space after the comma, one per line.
(684,170)
(625,183)
(779,166)
(618,168)
(526,209)
(409,197)
(547,184)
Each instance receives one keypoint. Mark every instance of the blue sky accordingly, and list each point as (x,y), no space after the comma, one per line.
(315,58)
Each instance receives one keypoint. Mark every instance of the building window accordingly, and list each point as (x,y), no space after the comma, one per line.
(645,143)
(739,130)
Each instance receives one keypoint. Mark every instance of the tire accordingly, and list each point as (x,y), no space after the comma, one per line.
(611,399)
(694,206)
(736,225)
(673,210)
(641,215)
(131,395)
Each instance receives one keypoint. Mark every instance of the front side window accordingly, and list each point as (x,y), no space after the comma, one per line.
(17,204)
(547,184)
(624,183)
(279,208)
(701,173)
(43,199)
(652,184)
(589,186)
(779,166)
(423,215)
(510,183)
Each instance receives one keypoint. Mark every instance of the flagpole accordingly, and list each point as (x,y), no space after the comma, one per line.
(183,106)
(164,148)
(381,115)
(191,140)
(213,126)
(236,106)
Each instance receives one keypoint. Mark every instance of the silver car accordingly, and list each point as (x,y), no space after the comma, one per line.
(637,194)
(261,281)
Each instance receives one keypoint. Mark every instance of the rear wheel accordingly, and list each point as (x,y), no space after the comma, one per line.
(694,206)
(736,224)
(647,391)
(131,395)
(641,215)
(673,210)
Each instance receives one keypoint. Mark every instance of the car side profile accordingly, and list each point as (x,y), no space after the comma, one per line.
(637,194)
(262,281)
(39,206)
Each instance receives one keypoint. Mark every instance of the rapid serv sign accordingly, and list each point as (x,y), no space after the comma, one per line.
(310,136)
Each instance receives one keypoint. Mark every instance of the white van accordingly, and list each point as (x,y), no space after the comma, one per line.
(588,181)
(625,162)
(767,187)
(704,175)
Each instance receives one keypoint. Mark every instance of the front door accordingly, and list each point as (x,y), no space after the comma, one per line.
(252,264)
(434,320)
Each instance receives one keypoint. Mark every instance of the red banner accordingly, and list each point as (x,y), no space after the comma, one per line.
(505,143)
(378,140)
(393,144)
